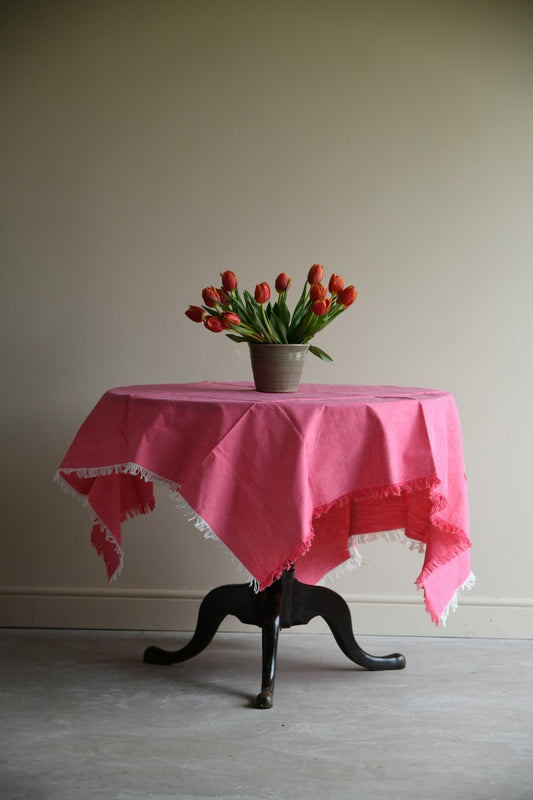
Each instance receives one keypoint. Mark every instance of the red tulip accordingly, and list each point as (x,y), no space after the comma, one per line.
(211,296)
(315,274)
(336,284)
(229,281)
(229,319)
(317,292)
(195,313)
(347,296)
(282,282)
(214,324)
(321,307)
(262,293)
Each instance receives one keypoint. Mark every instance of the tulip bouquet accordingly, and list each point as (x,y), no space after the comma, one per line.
(258,319)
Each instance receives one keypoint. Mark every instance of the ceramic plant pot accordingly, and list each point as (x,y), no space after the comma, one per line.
(277,367)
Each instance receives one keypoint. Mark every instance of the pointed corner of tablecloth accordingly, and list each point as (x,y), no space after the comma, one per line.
(109,549)
(438,609)
(454,602)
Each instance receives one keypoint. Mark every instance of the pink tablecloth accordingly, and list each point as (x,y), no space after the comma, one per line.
(283,478)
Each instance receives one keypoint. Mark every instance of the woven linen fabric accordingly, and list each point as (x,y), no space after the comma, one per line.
(283,479)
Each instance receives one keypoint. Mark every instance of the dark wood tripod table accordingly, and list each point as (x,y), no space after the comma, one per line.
(356,461)
(284,603)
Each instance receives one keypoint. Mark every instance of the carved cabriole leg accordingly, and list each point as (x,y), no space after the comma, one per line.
(314,601)
(237,599)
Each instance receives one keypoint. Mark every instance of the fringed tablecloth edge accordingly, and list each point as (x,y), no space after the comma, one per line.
(98,524)
(454,602)
(201,525)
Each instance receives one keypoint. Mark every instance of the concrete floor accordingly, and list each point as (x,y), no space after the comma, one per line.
(82,718)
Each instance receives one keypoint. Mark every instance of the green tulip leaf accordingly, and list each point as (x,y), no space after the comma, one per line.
(316,351)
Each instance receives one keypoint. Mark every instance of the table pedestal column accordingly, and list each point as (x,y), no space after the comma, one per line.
(285,603)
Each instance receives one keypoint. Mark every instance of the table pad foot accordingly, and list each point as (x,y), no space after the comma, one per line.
(265,700)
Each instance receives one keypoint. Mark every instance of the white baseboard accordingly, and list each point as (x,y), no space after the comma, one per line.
(145,609)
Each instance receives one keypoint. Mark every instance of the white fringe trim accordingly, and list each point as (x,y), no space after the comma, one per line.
(353,562)
(201,525)
(95,519)
(118,550)
(356,559)
(454,602)
(131,468)
(397,535)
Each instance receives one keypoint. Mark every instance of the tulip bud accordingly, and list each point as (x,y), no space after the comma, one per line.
(336,284)
(214,324)
(262,293)
(210,296)
(347,296)
(282,282)
(224,299)
(315,274)
(317,292)
(195,313)
(321,307)
(229,319)
(229,281)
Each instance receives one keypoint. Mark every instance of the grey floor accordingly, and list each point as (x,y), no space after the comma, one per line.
(82,717)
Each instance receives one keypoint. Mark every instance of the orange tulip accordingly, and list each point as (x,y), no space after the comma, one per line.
(315,274)
(317,292)
(211,296)
(282,282)
(195,313)
(347,296)
(229,280)
(224,298)
(229,319)
(262,293)
(336,284)
(321,307)
(214,324)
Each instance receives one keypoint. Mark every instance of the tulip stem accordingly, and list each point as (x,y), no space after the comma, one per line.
(274,338)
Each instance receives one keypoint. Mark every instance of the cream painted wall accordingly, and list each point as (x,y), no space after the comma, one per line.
(149,144)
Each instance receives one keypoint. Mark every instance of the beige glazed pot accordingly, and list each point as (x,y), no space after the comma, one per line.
(277,367)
